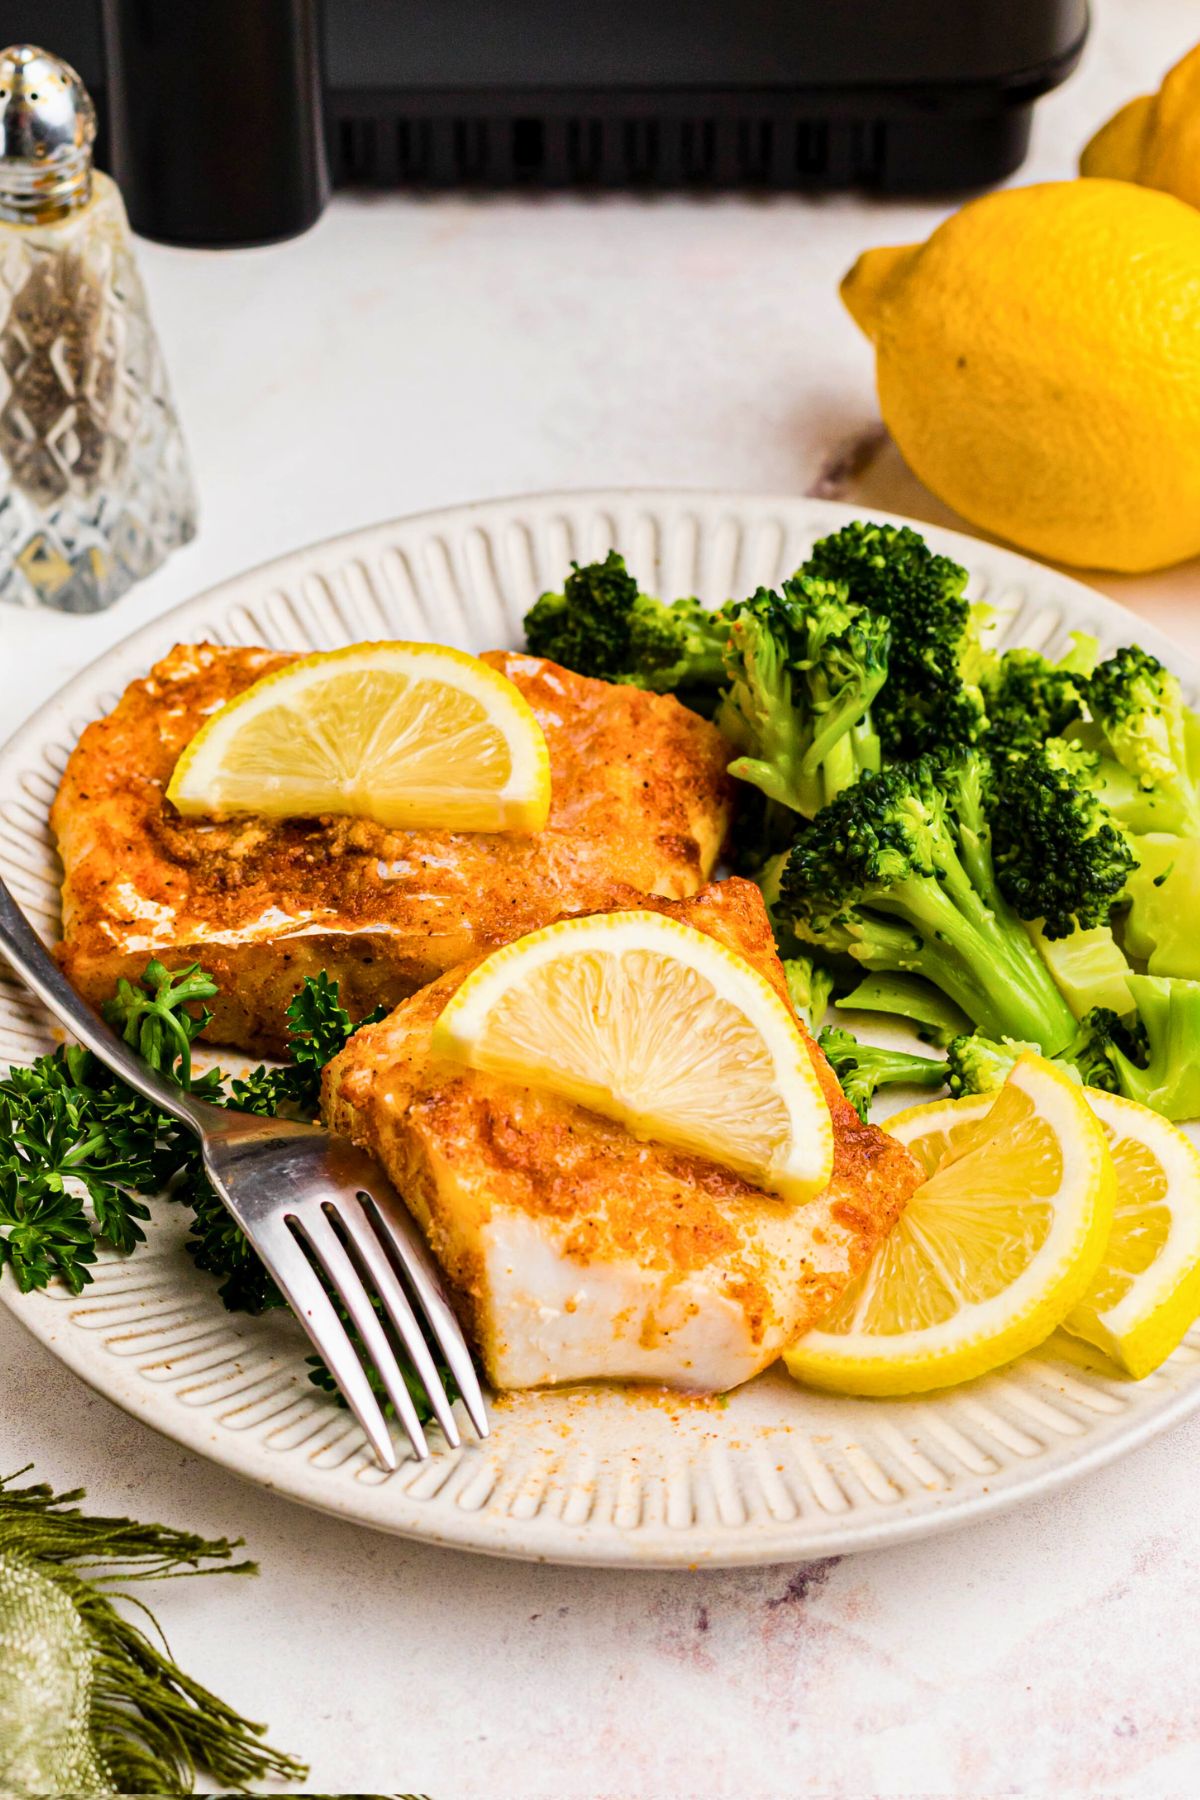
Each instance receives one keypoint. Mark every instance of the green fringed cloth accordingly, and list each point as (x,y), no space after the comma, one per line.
(89,1704)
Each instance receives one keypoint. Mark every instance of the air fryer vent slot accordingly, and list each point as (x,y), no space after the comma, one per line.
(698,149)
(812,148)
(640,150)
(528,149)
(585,150)
(414,152)
(356,158)
(754,139)
(869,153)
(471,151)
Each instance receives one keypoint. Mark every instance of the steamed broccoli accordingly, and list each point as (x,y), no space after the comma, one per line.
(1030,698)
(602,625)
(864,1068)
(1060,855)
(1152,1057)
(932,698)
(1161,1068)
(810,988)
(804,666)
(1138,712)
(977,1064)
(897,873)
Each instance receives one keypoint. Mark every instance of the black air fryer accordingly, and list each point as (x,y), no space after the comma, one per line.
(895,96)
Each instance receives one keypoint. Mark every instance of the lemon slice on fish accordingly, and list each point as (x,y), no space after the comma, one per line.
(415,736)
(652,1023)
(991,1252)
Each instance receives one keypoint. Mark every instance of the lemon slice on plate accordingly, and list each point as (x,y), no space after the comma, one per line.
(411,735)
(1146,1291)
(660,1027)
(991,1252)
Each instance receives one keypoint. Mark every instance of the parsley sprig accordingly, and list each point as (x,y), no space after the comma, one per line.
(153,1017)
(78,1148)
(71,1133)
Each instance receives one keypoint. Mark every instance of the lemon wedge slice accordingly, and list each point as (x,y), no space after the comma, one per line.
(1146,1293)
(411,735)
(652,1023)
(992,1251)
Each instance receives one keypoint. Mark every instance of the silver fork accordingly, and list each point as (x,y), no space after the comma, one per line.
(295,1189)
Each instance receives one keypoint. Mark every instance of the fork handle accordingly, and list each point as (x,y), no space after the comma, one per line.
(38,970)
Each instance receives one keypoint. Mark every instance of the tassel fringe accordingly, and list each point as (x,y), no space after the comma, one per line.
(152,1726)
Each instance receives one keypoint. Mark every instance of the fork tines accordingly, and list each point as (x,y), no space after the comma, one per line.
(367,1252)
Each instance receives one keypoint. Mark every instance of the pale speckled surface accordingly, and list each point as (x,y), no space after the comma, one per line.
(407,355)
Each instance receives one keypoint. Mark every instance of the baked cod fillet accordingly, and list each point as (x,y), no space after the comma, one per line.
(640,797)
(577,1252)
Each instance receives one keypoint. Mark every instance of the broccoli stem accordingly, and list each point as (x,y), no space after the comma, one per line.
(864,1068)
(868,751)
(838,763)
(839,755)
(905,1068)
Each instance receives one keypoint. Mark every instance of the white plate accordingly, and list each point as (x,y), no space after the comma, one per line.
(587,1475)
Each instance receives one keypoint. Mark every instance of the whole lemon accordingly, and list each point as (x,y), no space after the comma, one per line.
(1155,139)
(1038,364)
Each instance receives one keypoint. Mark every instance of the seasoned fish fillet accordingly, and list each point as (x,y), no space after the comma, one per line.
(640,797)
(578,1252)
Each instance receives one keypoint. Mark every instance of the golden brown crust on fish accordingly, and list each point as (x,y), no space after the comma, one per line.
(640,797)
(465,1148)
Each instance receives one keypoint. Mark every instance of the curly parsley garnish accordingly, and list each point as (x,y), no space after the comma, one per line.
(78,1148)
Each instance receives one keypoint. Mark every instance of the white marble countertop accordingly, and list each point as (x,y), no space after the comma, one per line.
(412,353)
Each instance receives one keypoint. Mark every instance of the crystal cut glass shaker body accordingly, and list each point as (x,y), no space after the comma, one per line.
(95,488)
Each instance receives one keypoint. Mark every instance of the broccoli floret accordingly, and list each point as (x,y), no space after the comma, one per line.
(804,666)
(1029,698)
(677,648)
(863,1069)
(932,697)
(1160,1067)
(1102,1032)
(602,625)
(810,988)
(587,626)
(1137,706)
(1060,855)
(1136,809)
(897,873)
(976,1064)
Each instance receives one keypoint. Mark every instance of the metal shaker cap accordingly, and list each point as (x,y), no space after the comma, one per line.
(47,129)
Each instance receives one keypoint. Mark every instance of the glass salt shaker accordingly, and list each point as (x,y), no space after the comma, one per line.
(95,488)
